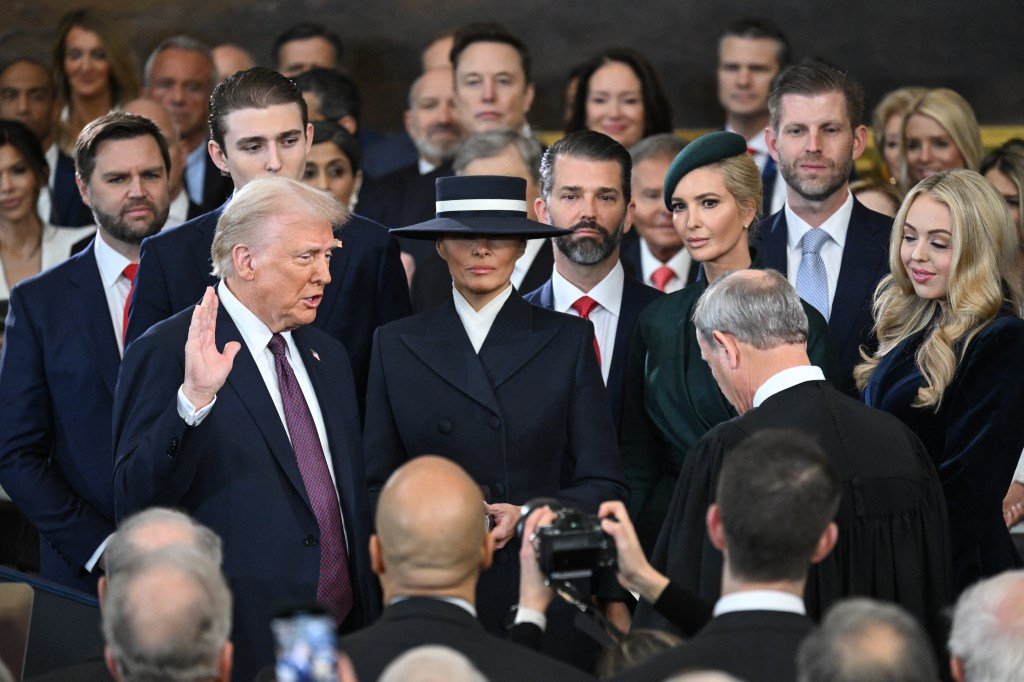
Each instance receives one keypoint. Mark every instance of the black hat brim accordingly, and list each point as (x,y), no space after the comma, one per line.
(469,226)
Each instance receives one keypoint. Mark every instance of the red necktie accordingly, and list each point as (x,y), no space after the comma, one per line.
(129,273)
(584,305)
(662,276)
(334,587)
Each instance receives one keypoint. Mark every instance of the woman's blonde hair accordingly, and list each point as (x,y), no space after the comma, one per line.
(124,77)
(743,180)
(984,244)
(894,103)
(951,111)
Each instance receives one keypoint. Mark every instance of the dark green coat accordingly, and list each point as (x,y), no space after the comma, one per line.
(672,400)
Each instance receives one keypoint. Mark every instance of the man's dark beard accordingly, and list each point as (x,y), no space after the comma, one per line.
(589,251)
(117,228)
(820,192)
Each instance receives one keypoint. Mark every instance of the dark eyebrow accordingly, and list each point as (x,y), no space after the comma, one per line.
(250,140)
(289,133)
(705,195)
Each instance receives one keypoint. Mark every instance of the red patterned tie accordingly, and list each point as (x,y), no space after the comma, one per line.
(662,276)
(129,273)
(334,588)
(584,305)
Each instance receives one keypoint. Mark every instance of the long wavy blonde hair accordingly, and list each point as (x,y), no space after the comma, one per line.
(984,244)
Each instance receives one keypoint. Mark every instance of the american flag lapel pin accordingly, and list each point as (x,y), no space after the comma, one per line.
(316,356)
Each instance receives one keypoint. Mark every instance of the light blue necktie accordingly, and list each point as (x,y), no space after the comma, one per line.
(811,278)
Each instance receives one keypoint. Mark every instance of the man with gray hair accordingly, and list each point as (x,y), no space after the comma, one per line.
(243,414)
(179,74)
(497,152)
(893,529)
(167,618)
(862,639)
(986,642)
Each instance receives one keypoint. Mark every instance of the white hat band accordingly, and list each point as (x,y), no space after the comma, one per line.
(469,205)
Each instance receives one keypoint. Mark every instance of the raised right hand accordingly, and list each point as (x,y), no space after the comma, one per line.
(206,369)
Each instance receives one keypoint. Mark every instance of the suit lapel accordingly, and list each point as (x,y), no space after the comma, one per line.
(772,243)
(445,349)
(247,382)
(89,309)
(540,269)
(858,273)
(629,310)
(512,342)
(546,298)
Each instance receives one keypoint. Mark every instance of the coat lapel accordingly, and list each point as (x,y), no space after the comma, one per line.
(445,349)
(88,306)
(512,341)
(247,382)
(771,245)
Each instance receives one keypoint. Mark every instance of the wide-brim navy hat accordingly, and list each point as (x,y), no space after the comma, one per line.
(470,205)
(704,151)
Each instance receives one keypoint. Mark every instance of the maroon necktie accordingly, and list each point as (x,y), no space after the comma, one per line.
(662,276)
(334,588)
(129,273)
(584,305)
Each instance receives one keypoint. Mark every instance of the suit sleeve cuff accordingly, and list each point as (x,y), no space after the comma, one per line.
(525,615)
(90,565)
(188,412)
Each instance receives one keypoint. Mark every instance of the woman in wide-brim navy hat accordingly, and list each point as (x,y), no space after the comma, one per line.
(510,392)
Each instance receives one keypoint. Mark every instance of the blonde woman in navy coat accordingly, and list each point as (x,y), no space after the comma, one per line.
(509,391)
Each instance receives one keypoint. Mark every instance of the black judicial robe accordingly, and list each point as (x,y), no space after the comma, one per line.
(893,531)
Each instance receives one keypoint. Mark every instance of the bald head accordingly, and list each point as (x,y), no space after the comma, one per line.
(156,528)
(229,59)
(158,114)
(431,542)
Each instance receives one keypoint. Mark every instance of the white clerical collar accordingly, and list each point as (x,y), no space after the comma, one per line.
(760,600)
(478,322)
(425,166)
(254,331)
(679,263)
(607,292)
(110,263)
(787,378)
(456,601)
(837,224)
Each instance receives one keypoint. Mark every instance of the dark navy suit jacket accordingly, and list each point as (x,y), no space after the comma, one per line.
(865,261)
(236,473)
(368,285)
(635,297)
(67,208)
(58,370)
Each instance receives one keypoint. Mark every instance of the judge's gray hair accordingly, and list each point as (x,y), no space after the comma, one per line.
(125,547)
(244,219)
(759,308)
(429,663)
(988,628)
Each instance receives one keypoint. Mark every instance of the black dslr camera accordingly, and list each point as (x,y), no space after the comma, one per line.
(573,546)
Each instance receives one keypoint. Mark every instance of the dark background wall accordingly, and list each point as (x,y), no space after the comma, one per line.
(975,47)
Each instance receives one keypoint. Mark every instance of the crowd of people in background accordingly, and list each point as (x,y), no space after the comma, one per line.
(255,353)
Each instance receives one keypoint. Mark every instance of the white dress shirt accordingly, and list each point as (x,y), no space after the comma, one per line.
(44,206)
(425,166)
(605,316)
(679,263)
(837,226)
(524,262)
(477,323)
(456,601)
(787,378)
(178,211)
(759,600)
(115,285)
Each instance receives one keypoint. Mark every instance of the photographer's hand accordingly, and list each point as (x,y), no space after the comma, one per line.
(533,592)
(506,516)
(634,571)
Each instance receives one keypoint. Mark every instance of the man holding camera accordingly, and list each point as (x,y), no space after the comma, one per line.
(428,557)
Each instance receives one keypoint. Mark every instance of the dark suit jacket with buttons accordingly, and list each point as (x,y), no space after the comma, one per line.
(527,417)
(368,286)
(752,645)
(236,473)
(635,297)
(58,370)
(865,261)
(419,621)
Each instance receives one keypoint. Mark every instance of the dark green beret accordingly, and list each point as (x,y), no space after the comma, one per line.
(705,150)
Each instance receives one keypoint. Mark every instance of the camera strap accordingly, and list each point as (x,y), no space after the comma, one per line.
(588,620)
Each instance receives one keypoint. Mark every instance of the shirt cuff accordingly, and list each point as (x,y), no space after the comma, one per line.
(90,565)
(188,412)
(524,615)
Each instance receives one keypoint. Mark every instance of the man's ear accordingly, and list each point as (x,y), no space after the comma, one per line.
(860,141)
(83,190)
(407,121)
(956,668)
(713,521)
(487,552)
(530,92)
(217,155)
(101,590)
(630,213)
(108,658)
(309,136)
(242,256)
(773,143)
(825,543)
(227,655)
(728,345)
(540,207)
(376,556)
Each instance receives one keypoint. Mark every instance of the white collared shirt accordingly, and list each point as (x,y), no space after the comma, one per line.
(478,323)
(759,600)
(837,226)
(605,317)
(44,206)
(523,263)
(456,601)
(787,378)
(177,213)
(425,166)
(679,263)
(115,285)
